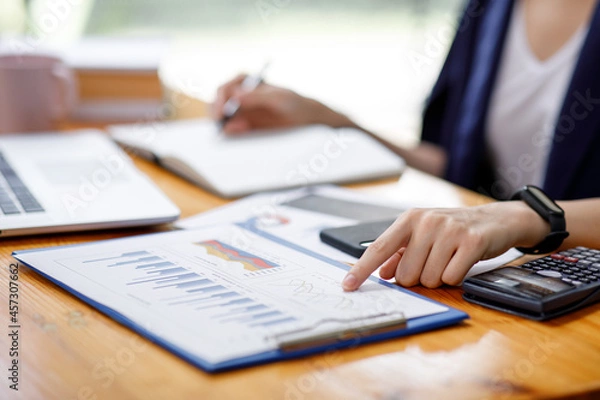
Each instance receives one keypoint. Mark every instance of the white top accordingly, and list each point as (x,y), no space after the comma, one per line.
(524,107)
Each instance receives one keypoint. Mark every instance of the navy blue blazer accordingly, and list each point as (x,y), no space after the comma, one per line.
(455,113)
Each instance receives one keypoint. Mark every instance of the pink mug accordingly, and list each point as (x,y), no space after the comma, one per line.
(37,92)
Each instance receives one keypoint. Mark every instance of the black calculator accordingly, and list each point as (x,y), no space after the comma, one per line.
(540,289)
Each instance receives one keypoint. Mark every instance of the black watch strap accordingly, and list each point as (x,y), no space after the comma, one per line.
(553,214)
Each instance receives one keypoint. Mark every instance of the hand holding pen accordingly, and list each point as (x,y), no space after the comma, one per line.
(250,82)
(246,103)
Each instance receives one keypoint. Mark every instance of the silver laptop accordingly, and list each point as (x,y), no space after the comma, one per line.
(56,182)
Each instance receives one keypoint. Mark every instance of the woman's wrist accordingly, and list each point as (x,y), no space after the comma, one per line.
(321,114)
(530,227)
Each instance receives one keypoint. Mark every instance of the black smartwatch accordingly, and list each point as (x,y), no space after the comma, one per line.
(549,211)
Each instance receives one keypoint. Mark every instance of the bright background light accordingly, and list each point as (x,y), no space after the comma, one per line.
(375,60)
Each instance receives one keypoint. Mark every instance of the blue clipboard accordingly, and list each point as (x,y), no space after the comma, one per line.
(412,326)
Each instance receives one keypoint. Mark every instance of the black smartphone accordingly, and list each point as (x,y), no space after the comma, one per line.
(355,239)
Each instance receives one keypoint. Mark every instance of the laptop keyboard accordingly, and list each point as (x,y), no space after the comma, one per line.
(12,188)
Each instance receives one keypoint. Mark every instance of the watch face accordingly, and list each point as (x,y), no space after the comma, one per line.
(541,196)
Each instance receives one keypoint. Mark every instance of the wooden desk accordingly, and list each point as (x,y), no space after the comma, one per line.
(68,350)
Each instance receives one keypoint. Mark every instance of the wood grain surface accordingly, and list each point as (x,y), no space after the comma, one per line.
(68,350)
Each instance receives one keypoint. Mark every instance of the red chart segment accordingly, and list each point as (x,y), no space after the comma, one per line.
(230,253)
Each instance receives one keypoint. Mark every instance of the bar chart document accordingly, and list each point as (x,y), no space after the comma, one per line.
(226,296)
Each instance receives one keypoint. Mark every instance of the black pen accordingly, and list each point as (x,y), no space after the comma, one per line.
(251,82)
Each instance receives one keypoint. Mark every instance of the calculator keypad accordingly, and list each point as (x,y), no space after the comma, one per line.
(577,266)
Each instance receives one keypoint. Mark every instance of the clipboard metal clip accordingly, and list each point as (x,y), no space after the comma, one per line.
(304,338)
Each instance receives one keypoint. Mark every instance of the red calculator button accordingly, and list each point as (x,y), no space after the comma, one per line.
(557,256)
(571,259)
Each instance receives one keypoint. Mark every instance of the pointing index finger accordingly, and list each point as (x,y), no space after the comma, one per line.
(377,253)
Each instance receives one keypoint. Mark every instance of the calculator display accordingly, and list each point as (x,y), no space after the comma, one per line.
(523,282)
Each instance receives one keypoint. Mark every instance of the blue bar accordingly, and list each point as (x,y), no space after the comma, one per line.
(189,293)
(207,289)
(225,295)
(257,307)
(209,298)
(259,316)
(267,314)
(277,321)
(166,271)
(155,279)
(155,265)
(229,303)
(162,279)
(124,255)
(199,282)
(190,301)
(240,301)
(142,259)
(173,281)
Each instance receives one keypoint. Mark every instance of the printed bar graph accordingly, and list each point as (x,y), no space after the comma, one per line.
(184,286)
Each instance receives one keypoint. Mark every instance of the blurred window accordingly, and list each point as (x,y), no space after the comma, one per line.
(373,59)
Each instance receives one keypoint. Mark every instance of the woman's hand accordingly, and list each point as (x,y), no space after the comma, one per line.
(269,107)
(439,246)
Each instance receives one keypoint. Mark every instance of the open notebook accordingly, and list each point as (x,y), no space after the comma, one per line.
(260,161)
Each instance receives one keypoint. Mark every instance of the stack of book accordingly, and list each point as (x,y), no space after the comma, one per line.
(118,78)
